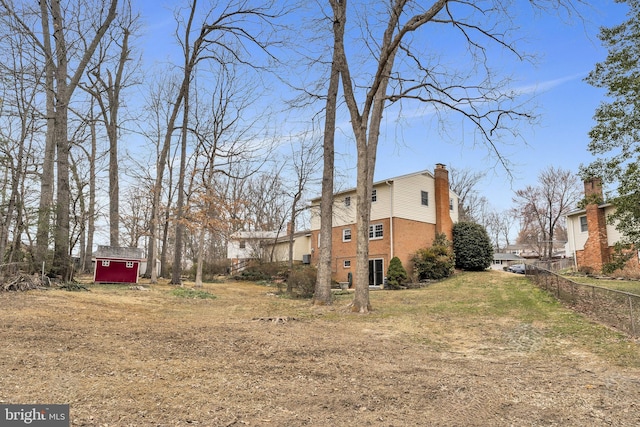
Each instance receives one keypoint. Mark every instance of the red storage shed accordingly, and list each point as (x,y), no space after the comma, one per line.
(117,265)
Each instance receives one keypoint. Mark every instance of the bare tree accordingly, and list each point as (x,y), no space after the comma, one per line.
(224,137)
(463,182)
(322,293)
(305,159)
(544,206)
(108,74)
(135,215)
(224,31)
(401,67)
(19,130)
(60,51)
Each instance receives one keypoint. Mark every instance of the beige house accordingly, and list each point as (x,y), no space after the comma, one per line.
(244,246)
(590,237)
(406,213)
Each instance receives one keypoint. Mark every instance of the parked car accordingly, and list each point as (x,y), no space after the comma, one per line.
(517,268)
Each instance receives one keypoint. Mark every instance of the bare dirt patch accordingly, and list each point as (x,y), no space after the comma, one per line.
(123,357)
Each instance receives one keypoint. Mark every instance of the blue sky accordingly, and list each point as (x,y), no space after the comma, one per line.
(566,50)
(564,103)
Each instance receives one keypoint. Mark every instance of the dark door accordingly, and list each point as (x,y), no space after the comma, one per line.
(376,274)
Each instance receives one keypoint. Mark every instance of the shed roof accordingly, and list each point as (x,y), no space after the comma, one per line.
(119,252)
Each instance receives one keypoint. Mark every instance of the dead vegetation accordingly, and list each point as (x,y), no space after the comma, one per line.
(458,354)
(23,282)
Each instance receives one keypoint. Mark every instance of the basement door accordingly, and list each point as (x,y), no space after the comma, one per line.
(376,272)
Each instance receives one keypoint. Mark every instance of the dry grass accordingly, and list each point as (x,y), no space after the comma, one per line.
(480,349)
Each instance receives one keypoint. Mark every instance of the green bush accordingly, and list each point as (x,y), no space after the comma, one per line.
(434,263)
(396,274)
(472,246)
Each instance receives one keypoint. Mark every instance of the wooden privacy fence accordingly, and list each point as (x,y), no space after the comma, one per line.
(618,309)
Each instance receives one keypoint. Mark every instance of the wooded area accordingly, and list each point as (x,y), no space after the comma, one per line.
(98,144)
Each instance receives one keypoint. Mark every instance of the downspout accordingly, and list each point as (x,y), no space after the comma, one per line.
(391,242)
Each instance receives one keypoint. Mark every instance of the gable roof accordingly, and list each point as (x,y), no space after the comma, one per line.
(118,252)
(383,182)
(583,211)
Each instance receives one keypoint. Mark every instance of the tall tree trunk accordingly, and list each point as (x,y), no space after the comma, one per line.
(177,255)
(322,294)
(64,89)
(366,129)
(46,180)
(91,220)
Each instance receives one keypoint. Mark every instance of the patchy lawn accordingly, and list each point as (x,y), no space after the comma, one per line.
(476,350)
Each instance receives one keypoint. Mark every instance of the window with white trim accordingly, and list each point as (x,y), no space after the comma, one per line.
(584,226)
(375,231)
(129,264)
(346,263)
(424,198)
(346,235)
(106,263)
(347,201)
(243,244)
(374,195)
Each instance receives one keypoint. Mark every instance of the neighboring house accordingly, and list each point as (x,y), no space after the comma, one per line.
(503,260)
(244,246)
(530,251)
(247,245)
(301,247)
(590,237)
(406,213)
(523,250)
(117,265)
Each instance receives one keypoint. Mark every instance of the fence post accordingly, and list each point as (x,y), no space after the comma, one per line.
(633,323)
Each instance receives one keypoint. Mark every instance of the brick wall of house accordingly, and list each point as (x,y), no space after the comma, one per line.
(409,236)
(596,248)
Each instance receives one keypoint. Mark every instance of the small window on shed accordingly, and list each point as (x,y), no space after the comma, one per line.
(106,262)
(129,264)
(347,263)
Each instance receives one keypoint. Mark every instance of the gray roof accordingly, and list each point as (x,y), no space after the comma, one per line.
(118,252)
(506,257)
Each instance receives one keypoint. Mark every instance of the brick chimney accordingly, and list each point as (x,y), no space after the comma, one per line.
(443,215)
(596,248)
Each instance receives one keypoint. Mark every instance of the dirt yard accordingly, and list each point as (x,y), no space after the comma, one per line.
(127,357)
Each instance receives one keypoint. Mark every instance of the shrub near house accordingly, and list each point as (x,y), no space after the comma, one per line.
(396,274)
(435,262)
(472,246)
